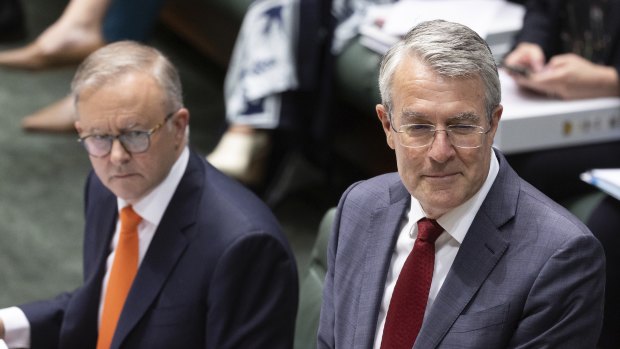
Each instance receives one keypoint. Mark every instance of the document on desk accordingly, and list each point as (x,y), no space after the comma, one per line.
(531,122)
(384,24)
(608,180)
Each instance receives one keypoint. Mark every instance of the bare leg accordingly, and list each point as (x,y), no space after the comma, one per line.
(57,117)
(69,40)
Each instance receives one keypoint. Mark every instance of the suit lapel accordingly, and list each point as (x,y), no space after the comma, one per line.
(104,230)
(483,247)
(166,248)
(381,236)
(480,252)
(103,226)
(80,322)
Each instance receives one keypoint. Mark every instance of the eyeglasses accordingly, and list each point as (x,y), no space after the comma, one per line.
(422,135)
(133,142)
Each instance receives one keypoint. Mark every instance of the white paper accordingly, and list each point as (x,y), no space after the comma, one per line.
(478,15)
(608,180)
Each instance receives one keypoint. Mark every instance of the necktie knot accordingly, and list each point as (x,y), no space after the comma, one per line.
(129,220)
(429,230)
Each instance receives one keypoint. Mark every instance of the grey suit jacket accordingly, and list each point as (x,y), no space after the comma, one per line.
(528,274)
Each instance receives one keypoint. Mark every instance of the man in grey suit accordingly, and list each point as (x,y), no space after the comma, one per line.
(509,269)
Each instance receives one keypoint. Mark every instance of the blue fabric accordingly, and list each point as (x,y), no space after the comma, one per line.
(130,19)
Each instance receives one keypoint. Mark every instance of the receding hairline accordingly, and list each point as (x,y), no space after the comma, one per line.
(418,63)
(123,58)
(117,80)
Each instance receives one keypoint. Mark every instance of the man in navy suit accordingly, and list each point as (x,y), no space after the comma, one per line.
(512,269)
(215,270)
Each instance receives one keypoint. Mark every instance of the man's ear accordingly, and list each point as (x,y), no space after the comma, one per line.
(180,121)
(386,124)
(496,115)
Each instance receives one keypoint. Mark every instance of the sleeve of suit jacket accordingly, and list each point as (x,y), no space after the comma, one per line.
(327,319)
(540,25)
(566,294)
(259,293)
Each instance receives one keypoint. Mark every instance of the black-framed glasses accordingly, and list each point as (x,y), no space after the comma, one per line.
(422,135)
(133,142)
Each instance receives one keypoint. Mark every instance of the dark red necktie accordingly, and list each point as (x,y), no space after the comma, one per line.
(406,311)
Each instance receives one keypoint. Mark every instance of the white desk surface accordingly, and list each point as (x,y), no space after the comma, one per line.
(533,122)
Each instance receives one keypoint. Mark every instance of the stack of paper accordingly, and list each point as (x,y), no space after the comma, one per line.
(608,180)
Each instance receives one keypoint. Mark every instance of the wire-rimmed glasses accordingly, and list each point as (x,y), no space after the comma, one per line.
(422,135)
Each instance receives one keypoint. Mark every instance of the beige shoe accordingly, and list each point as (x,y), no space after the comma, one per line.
(242,155)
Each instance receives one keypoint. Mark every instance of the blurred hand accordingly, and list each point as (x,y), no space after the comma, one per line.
(569,76)
(526,55)
(1,329)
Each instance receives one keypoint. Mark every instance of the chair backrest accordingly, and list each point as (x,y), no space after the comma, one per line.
(311,290)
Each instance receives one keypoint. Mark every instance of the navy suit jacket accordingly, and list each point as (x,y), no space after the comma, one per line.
(527,275)
(219,273)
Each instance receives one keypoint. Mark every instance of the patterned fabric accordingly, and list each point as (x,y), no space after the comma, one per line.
(263,64)
(408,303)
(586,35)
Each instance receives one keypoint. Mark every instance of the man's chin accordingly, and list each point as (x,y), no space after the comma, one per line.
(127,193)
(439,202)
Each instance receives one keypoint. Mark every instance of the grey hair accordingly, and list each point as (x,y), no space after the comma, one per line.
(120,58)
(451,50)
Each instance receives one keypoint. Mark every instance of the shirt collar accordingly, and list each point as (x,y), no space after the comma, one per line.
(152,207)
(457,221)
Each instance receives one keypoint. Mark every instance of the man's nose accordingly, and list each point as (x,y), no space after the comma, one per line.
(118,153)
(441,149)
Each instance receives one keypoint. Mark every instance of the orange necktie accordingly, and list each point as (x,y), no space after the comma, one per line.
(124,269)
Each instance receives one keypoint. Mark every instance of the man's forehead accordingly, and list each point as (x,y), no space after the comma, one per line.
(107,112)
(130,78)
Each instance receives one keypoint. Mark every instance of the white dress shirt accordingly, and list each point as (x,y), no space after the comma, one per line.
(456,223)
(151,208)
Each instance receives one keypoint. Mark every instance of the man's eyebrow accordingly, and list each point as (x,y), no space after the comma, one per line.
(465,116)
(411,114)
(95,131)
(131,126)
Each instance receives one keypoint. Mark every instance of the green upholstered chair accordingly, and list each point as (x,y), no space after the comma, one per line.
(311,290)
(583,205)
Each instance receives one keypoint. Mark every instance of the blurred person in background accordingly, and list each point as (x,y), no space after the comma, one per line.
(83,27)
(570,49)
